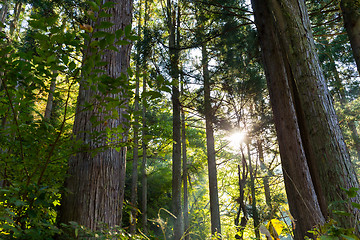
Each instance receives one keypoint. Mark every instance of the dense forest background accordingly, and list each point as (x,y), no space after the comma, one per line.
(154,119)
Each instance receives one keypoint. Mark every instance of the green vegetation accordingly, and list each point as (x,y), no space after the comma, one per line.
(49,48)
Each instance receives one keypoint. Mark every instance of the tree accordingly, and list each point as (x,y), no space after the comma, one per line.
(97,174)
(173,21)
(351,15)
(303,110)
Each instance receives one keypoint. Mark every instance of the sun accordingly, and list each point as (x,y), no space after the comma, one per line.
(236,138)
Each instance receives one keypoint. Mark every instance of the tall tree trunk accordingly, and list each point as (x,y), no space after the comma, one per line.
(327,155)
(303,202)
(351,14)
(185,174)
(134,175)
(253,195)
(315,118)
(96,179)
(144,162)
(176,156)
(210,145)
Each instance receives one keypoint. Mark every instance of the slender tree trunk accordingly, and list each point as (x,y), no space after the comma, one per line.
(267,175)
(185,174)
(240,226)
(210,145)
(327,155)
(50,101)
(144,162)
(176,157)
(134,175)
(253,195)
(351,15)
(343,101)
(18,9)
(3,11)
(96,179)
(303,202)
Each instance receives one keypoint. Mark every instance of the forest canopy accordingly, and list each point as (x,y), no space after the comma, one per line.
(179,119)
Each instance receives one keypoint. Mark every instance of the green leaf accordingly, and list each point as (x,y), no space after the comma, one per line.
(100,34)
(348,237)
(51,58)
(94,44)
(119,33)
(104,14)
(355,205)
(133,38)
(93,6)
(122,42)
(342,213)
(108,5)
(103,25)
(110,39)
(127,30)
(72,66)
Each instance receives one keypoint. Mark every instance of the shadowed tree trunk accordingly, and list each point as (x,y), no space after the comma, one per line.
(351,14)
(253,195)
(289,50)
(241,224)
(97,174)
(303,202)
(210,146)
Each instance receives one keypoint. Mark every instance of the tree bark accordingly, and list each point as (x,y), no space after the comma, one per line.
(49,103)
(351,15)
(176,156)
(253,196)
(210,146)
(241,225)
(144,163)
(319,134)
(327,155)
(303,202)
(97,178)
(134,174)
(185,175)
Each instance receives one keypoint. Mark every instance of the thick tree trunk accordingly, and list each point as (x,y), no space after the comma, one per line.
(351,14)
(326,152)
(210,146)
(302,198)
(97,178)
